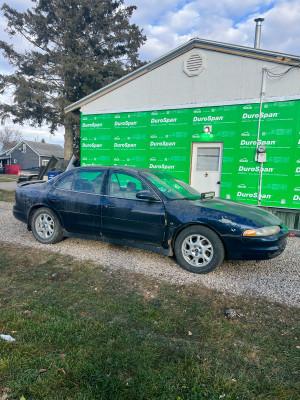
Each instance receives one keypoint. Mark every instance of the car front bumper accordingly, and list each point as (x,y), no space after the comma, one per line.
(256,248)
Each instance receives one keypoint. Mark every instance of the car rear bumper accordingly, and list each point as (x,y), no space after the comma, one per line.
(256,248)
(19,214)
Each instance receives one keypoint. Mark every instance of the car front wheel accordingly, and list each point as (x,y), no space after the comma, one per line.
(46,227)
(198,249)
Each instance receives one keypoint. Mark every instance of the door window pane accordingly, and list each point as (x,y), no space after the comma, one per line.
(125,186)
(208,158)
(88,181)
(66,182)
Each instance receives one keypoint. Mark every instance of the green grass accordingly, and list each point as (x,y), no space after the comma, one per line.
(85,332)
(7,195)
(8,178)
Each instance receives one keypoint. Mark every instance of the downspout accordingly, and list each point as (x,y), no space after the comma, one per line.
(262,95)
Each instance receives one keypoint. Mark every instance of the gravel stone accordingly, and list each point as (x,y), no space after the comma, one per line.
(277,279)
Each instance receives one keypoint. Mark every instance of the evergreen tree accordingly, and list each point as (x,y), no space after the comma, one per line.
(75,47)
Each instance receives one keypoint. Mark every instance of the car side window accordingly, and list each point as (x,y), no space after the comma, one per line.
(88,181)
(125,186)
(66,182)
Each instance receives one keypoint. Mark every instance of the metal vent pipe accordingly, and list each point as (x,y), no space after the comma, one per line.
(257,32)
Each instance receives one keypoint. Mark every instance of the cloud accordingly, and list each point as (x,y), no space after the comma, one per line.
(281,28)
(151,11)
(168,24)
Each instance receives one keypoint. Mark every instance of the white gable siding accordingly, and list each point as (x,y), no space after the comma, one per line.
(225,78)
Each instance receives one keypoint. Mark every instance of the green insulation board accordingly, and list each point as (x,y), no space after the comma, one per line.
(163,140)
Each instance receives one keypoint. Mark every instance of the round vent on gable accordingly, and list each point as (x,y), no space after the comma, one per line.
(194,64)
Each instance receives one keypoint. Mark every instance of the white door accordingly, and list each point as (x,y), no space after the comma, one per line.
(206,167)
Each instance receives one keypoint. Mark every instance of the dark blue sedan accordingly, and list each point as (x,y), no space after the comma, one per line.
(151,210)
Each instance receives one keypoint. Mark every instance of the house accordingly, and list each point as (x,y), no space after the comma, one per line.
(221,117)
(29,154)
(5,158)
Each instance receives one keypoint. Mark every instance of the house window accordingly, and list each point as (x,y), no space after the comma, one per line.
(24,148)
(44,162)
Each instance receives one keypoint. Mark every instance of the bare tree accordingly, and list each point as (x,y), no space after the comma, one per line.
(9,138)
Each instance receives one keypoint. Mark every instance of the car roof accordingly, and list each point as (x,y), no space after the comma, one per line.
(130,169)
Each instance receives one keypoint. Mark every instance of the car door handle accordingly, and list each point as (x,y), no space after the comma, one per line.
(54,198)
(109,206)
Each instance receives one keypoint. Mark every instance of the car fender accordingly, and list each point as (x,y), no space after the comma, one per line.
(37,206)
(180,228)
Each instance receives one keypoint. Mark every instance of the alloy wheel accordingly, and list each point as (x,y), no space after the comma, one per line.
(197,250)
(44,226)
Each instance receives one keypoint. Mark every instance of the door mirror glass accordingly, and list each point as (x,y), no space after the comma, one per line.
(146,195)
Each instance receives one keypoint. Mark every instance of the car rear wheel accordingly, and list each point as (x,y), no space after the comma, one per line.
(46,227)
(198,249)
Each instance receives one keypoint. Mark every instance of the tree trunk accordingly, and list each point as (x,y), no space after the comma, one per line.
(68,147)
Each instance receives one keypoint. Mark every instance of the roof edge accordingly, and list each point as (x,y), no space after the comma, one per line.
(243,51)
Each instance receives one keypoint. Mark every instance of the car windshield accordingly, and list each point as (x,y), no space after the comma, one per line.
(173,189)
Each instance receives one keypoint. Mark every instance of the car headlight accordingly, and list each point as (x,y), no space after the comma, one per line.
(265,231)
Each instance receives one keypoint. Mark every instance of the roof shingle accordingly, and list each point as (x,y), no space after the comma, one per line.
(46,149)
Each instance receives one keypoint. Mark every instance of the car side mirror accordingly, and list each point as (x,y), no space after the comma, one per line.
(147,195)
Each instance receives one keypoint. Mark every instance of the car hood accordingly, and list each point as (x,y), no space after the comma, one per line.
(236,209)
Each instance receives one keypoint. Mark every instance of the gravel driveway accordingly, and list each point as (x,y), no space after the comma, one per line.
(8,185)
(276,279)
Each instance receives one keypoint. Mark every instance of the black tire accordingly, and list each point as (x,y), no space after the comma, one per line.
(198,249)
(46,227)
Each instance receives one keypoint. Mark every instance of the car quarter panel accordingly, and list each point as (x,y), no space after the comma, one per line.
(29,197)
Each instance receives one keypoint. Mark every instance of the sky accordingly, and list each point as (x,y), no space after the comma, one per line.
(170,23)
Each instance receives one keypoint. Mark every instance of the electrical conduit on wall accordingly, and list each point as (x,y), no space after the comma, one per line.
(262,95)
